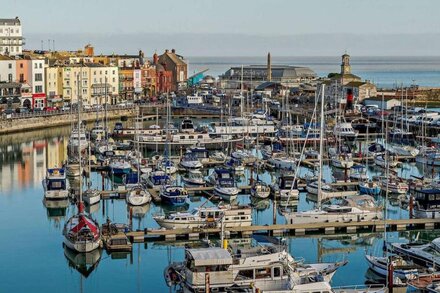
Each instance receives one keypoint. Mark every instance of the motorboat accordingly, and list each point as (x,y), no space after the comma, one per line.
(342,161)
(345,131)
(119,166)
(235,165)
(259,267)
(384,161)
(282,161)
(190,161)
(55,184)
(312,187)
(426,254)
(157,179)
(376,149)
(358,173)
(167,166)
(138,196)
(393,184)
(193,178)
(427,203)
(224,184)
(357,208)
(285,189)
(77,140)
(429,157)
(91,196)
(363,125)
(260,190)
(187,126)
(402,269)
(228,215)
(202,154)
(173,195)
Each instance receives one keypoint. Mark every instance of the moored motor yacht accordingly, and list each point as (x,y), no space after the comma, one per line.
(345,131)
(173,194)
(245,269)
(55,184)
(427,254)
(229,216)
(358,208)
(193,178)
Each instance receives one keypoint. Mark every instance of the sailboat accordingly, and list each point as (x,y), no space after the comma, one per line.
(138,195)
(358,208)
(368,186)
(81,232)
(91,195)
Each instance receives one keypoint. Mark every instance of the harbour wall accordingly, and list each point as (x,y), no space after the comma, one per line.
(16,125)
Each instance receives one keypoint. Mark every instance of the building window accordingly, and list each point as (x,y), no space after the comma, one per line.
(21,65)
(18,49)
(21,76)
(36,66)
(38,77)
(114,72)
(38,89)
(10,77)
(10,65)
(41,65)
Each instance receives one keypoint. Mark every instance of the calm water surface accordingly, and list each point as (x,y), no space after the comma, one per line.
(33,259)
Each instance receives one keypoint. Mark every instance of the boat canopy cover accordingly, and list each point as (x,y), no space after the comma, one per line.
(210,256)
(85,222)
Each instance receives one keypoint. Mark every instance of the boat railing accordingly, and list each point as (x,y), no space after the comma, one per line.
(365,288)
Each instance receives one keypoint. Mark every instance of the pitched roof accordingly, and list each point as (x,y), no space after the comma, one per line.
(9,21)
(4,57)
(175,58)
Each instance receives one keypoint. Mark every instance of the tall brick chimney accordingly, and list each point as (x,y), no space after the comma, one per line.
(269,68)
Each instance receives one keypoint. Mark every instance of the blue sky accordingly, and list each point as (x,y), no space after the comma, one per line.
(347,20)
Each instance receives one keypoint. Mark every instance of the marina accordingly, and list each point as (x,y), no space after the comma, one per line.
(133,167)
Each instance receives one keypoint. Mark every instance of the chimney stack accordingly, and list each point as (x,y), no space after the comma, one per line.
(269,68)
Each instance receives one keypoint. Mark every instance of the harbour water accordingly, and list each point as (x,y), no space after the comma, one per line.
(33,259)
(384,71)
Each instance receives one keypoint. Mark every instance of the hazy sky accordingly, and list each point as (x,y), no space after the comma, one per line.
(193,25)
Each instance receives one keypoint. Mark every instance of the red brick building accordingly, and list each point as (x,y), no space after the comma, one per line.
(164,76)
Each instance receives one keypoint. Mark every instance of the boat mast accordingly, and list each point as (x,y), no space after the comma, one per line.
(321,147)
(79,140)
(105,109)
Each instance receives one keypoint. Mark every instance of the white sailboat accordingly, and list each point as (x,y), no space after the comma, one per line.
(358,208)
(81,232)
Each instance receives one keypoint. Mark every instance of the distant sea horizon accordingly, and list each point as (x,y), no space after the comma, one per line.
(384,71)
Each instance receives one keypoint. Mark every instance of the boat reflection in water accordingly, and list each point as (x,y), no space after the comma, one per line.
(138,212)
(56,209)
(84,263)
(91,209)
(260,204)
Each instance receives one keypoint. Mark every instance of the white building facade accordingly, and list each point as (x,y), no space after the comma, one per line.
(8,69)
(11,37)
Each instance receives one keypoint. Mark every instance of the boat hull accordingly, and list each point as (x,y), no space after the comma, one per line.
(82,246)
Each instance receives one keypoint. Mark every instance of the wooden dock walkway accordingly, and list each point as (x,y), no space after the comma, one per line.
(291,229)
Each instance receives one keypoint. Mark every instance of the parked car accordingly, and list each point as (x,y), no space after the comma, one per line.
(65,108)
(97,107)
(8,111)
(50,109)
(22,110)
(87,107)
